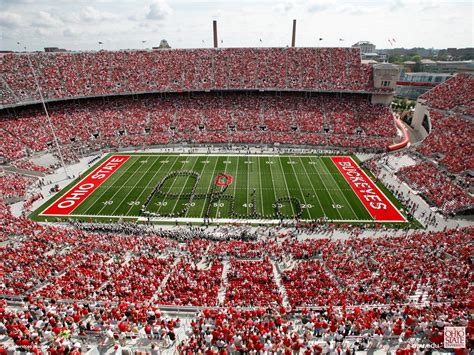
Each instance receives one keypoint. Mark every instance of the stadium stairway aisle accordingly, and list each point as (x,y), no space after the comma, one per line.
(222,290)
(281,289)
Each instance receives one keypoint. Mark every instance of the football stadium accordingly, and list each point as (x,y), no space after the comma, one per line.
(231,200)
(228,188)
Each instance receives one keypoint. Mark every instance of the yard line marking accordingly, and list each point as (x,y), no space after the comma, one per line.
(182,189)
(174,181)
(248,180)
(286,184)
(324,184)
(271,178)
(198,190)
(124,200)
(343,194)
(225,172)
(118,190)
(260,187)
(299,186)
(208,188)
(146,187)
(235,181)
(312,186)
(104,192)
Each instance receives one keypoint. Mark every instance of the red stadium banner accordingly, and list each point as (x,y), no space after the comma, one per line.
(75,196)
(415,83)
(377,204)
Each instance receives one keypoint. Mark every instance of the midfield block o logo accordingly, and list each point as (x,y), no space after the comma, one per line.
(454,337)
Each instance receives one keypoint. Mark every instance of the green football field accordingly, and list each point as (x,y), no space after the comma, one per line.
(191,187)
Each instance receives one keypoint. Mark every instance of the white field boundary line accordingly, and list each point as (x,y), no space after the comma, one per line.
(377,188)
(219,220)
(94,167)
(255,155)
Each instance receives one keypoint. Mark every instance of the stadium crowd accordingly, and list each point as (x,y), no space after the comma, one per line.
(333,330)
(82,74)
(29,165)
(330,291)
(271,291)
(48,325)
(298,295)
(78,264)
(323,119)
(442,175)
(435,186)
(448,132)
(14,185)
(455,94)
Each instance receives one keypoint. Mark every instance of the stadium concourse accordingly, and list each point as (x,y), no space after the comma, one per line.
(81,287)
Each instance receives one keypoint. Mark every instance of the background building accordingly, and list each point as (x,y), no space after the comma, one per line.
(412,85)
(365,47)
(367,52)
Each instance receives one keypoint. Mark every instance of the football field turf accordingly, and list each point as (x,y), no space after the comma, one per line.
(224,187)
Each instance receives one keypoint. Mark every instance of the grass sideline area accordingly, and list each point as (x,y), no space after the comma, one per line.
(165,188)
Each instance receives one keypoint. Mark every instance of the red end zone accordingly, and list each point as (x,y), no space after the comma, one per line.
(374,200)
(75,196)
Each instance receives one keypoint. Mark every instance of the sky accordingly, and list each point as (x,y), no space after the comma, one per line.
(123,24)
